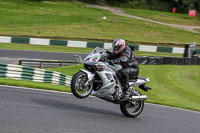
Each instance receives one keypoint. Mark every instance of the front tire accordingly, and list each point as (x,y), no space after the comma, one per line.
(78,85)
(132,109)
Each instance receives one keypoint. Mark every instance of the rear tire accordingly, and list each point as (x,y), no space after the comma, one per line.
(77,85)
(136,106)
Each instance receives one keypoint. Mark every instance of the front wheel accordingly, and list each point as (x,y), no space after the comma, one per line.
(78,85)
(132,109)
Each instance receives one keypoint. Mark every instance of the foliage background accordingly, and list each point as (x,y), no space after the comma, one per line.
(182,6)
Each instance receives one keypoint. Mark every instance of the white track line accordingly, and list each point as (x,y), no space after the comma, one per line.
(67,93)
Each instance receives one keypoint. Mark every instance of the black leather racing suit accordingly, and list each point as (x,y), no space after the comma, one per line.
(129,65)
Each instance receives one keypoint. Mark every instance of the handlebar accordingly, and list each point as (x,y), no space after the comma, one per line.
(104,59)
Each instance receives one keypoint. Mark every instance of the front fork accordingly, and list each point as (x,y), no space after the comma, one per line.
(89,75)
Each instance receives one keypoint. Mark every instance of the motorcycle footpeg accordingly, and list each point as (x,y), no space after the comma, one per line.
(144,87)
(125,97)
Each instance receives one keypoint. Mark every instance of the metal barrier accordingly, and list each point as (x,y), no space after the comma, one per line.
(45,64)
(144,60)
(167,60)
(33,74)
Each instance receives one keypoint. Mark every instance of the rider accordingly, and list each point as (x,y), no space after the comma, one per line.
(123,55)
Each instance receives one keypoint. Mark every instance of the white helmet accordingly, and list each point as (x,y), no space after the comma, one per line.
(118,45)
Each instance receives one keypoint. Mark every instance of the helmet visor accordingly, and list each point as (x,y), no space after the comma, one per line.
(116,48)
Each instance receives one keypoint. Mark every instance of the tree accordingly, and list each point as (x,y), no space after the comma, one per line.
(185,5)
(181,5)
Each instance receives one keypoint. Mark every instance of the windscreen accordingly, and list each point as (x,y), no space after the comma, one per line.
(94,56)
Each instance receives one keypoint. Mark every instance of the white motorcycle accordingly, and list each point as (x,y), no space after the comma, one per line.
(99,79)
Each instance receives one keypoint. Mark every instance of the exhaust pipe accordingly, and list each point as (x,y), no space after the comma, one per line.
(139,98)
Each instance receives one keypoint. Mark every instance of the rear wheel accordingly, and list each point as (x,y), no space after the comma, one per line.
(132,109)
(78,85)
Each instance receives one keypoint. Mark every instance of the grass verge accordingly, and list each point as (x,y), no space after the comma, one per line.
(197,30)
(30,84)
(51,48)
(176,86)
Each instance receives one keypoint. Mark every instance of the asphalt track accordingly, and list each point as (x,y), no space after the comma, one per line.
(18,54)
(34,111)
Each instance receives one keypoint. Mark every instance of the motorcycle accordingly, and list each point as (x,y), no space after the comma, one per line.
(99,79)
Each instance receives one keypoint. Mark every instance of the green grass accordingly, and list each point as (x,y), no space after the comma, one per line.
(74,20)
(30,84)
(176,86)
(166,17)
(197,30)
(52,48)
(16,46)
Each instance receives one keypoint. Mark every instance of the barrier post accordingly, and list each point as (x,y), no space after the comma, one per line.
(173,10)
(186,51)
(192,13)
(78,59)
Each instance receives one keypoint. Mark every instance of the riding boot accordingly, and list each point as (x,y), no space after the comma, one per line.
(125,88)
